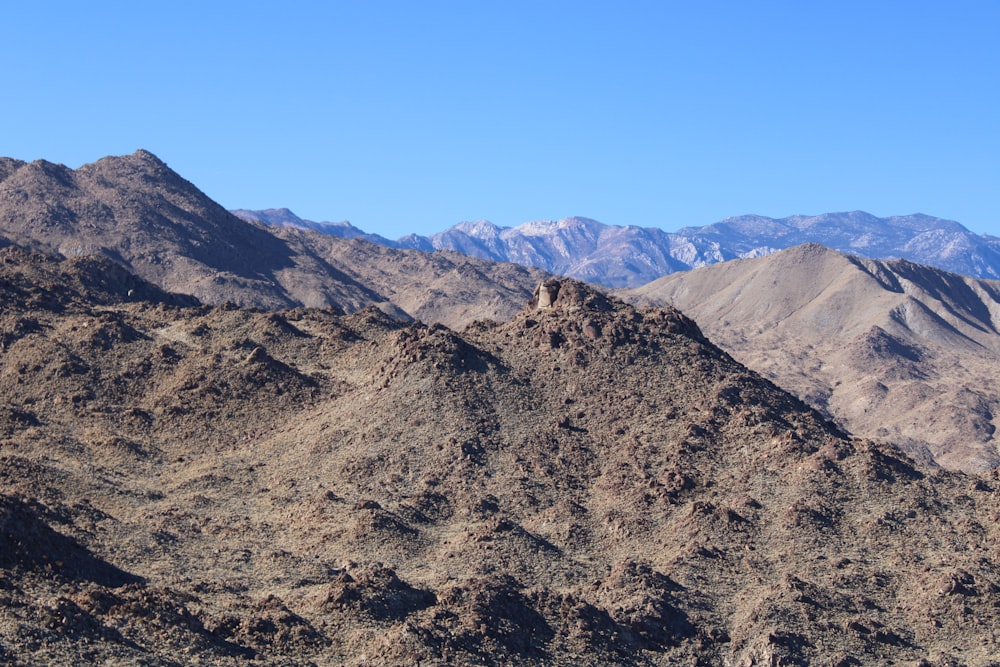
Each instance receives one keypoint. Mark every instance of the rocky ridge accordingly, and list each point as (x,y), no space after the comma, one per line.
(588,483)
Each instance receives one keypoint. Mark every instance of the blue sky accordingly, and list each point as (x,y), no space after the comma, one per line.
(413,116)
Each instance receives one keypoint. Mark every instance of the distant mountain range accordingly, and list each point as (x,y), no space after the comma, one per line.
(632,256)
(283,217)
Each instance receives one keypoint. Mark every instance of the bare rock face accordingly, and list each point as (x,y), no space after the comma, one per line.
(546,294)
(569,295)
(589,483)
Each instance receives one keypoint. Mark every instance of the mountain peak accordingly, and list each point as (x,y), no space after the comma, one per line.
(479,228)
(279,217)
(140,171)
(567,312)
(141,159)
(146,156)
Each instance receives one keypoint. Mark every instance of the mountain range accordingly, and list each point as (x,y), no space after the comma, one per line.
(890,350)
(905,352)
(229,442)
(632,256)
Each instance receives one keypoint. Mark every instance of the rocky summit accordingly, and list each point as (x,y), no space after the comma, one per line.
(588,483)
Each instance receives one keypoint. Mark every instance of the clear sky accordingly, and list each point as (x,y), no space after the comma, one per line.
(412,116)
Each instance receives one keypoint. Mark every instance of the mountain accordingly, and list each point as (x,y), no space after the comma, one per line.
(282,217)
(576,247)
(586,484)
(927,387)
(137,211)
(892,349)
(918,238)
(633,256)
(142,215)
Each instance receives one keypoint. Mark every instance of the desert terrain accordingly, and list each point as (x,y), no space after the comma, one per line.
(227,444)
(587,483)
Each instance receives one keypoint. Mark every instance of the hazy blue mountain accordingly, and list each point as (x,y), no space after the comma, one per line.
(919,238)
(631,256)
(282,217)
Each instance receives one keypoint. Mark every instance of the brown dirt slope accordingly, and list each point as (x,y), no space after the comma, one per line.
(588,483)
(138,212)
(893,350)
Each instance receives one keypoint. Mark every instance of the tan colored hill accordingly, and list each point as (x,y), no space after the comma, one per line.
(893,350)
(587,484)
(138,212)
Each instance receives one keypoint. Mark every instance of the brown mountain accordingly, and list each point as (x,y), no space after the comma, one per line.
(587,484)
(892,349)
(138,212)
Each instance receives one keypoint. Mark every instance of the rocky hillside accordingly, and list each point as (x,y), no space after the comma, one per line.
(633,256)
(138,212)
(893,350)
(586,484)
